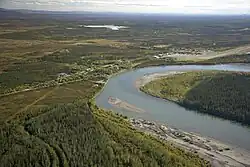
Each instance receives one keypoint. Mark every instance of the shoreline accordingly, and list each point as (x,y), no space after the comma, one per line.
(115,102)
(154,76)
(109,77)
(232,156)
(219,154)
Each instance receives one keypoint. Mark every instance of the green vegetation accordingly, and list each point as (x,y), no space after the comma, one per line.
(48,76)
(166,61)
(245,58)
(222,94)
(76,135)
(51,67)
(242,58)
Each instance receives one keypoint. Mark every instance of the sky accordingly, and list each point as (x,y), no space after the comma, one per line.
(135,6)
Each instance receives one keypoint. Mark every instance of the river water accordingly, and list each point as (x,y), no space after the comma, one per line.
(123,87)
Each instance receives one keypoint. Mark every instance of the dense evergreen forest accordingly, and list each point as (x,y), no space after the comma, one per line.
(222,94)
(79,134)
(51,66)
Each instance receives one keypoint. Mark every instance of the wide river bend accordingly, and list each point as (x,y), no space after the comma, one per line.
(123,87)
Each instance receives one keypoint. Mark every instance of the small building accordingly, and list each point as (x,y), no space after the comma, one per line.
(62,75)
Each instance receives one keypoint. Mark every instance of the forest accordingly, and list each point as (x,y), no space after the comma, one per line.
(48,77)
(51,67)
(222,94)
(79,134)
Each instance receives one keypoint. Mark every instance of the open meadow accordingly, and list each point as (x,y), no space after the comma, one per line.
(51,67)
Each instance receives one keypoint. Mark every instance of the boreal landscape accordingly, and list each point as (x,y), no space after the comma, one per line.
(53,64)
(222,94)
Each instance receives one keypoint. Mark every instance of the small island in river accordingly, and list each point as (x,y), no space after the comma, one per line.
(123,105)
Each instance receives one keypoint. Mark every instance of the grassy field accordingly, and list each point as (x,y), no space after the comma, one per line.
(243,58)
(222,94)
(20,103)
(51,67)
(48,76)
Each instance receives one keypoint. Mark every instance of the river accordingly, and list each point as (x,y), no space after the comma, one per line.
(123,87)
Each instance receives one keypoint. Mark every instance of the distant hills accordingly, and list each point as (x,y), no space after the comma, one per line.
(22,13)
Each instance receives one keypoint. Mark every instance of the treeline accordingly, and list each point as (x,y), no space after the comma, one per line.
(146,62)
(26,73)
(73,135)
(244,58)
(223,94)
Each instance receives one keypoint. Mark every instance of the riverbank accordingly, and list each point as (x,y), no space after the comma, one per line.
(218,153)
(154,76)
(221,94)
(105,82)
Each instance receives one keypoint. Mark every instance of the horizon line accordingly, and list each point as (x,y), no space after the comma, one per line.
(139,13)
